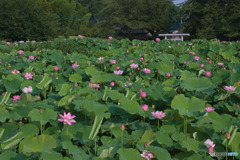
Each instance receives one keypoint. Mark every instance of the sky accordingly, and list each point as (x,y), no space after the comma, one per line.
(178,1)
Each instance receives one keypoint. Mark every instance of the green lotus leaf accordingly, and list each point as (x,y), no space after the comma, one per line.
(44,82)
(148,137)
(187,106)
(29,130)
(8,154)
(198,84)
(91,106)
(78,153)
(114,95)
(65,89)
(160,153)
(51,155)
(163,138)
(130,106)
(75,78)
(44,117)
(66,100)
(220,77)
(165,68)
(235,145)
(186,75)
(4,114)
(39,144)
(127,154)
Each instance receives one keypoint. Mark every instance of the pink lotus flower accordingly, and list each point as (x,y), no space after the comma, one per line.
(208,58)
(27,90)
(158,115)
(134,65)
(127,84)
(33,41)
(210,62)
(187,63)
(117,68)
(112,84)
(131,60)
(67,118)
(168,74)
(169,46)
(208,143)
(217,40)
(21,52)
(110,37)
(210,149)
(94,85)
(157,39)
(141,58)
(178,44)
(127,51)
(15,43)
(145,107)
(143,94)
(220,64)
(193,53)
(209,109)
(21,41)
(113,61)
(8,43)
(55,68)
(15,71)
(201,65)
(31,57)
(16,98)
(119,72)
(190,44)
(133,44)
(146,70)
(147,155)
(74,65)
(230,88)
(80,36)
(196,58)
(100,59)
(28,75)
(207,74)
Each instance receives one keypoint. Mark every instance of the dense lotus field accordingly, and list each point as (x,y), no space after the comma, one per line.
(87,98)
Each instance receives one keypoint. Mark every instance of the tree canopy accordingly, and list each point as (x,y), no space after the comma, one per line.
(47,19)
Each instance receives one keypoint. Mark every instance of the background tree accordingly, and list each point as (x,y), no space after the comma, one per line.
(156,16)
(25,20)
(212,19)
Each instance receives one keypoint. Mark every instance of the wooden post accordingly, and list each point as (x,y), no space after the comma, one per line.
(182,38)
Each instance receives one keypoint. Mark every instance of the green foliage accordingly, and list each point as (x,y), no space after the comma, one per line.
(31,127)
(25,20)
(211,19)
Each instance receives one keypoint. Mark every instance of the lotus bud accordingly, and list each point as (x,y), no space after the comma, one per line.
(146,144)
(153,106)
(122,127)
(112,84)
(143,94)
(228,135)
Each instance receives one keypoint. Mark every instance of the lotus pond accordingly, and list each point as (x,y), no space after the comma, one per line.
(88,98)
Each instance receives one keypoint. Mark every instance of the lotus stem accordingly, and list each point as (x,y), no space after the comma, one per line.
(122,139)
(95,147)
(144,117)
(226,149)
(158,125)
